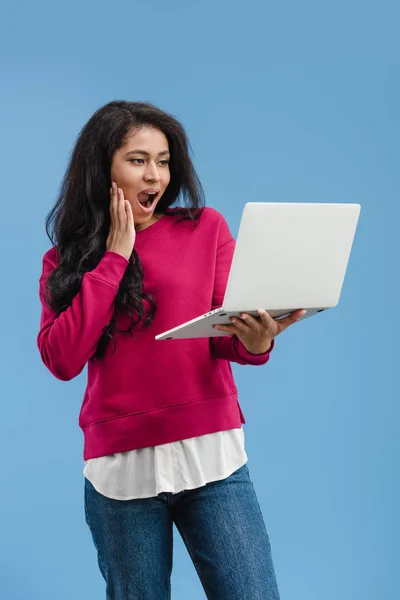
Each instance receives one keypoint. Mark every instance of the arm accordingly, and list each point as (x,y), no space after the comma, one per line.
(66,342)
(229,347)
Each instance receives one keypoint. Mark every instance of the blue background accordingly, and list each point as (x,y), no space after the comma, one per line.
(292,101)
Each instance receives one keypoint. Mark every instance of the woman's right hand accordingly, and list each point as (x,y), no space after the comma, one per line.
(121,238)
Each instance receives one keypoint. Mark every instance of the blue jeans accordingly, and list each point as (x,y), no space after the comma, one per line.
(220,523)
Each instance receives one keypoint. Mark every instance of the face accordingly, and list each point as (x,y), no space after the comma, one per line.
(141,169)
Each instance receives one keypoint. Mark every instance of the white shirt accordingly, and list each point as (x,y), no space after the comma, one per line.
(173,467)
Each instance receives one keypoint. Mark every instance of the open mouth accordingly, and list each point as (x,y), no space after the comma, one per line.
(147,199)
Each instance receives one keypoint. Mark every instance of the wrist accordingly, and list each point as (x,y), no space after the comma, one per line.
(119,253)
(264,349)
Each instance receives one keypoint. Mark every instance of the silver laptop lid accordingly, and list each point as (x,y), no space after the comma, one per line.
(291,255)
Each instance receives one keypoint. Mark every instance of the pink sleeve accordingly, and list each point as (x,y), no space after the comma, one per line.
(66,342)
(229,347)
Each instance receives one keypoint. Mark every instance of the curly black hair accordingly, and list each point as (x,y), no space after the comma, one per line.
(79,222)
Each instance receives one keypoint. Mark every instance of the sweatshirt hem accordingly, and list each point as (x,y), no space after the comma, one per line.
(161,426)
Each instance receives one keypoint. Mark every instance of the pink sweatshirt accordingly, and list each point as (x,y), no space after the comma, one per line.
(150,392)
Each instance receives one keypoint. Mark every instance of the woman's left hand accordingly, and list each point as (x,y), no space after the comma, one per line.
(257,335)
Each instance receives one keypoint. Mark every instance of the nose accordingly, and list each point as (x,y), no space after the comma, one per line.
(151,173)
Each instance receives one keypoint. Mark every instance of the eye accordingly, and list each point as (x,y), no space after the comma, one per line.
(136,161)
(164,163)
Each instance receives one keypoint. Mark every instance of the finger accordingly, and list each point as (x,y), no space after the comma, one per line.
(266,320)
(250,321)
(116,207)
(113,208)
(239,324)
(113,204)
(226,328)
(114,189)
(129,214)
(121,210)
(290,319)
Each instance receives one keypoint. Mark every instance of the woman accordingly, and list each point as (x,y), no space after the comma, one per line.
(163,438)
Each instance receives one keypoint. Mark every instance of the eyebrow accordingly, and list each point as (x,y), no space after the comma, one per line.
(144,153)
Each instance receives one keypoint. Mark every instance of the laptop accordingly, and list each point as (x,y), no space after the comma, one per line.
(288,256)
